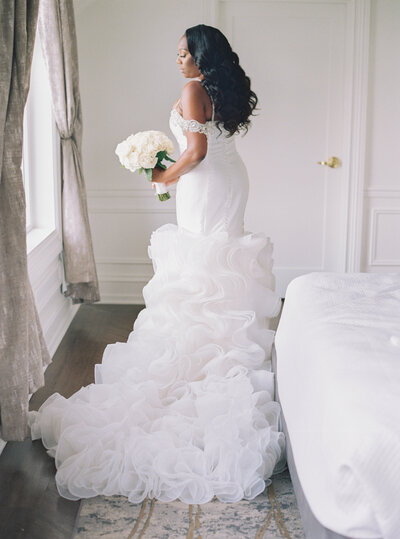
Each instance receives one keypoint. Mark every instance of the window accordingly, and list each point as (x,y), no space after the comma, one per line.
(25,172)
(40,162)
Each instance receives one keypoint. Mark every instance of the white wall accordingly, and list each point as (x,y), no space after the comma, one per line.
(128,81)
(381,239)
(116,42)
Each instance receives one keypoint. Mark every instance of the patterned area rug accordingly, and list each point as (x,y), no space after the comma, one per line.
(273,514)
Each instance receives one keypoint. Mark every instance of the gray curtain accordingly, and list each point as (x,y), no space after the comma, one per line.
(59,44)
(23,352)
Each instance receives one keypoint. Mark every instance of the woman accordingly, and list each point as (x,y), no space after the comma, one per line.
(184,409)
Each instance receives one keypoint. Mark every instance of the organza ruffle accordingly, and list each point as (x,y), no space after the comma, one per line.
(184,409)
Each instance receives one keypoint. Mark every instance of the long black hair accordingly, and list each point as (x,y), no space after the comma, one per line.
(224,79)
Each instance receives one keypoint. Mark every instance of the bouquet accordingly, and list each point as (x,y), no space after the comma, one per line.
(145,151)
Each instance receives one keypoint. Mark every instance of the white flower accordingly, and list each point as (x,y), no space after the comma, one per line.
(147,158)
(140,150)
(131,161)
(123,149)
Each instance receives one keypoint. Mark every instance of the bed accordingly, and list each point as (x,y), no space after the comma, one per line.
(337,374)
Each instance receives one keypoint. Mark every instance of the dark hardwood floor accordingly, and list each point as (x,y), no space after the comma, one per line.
(30,506)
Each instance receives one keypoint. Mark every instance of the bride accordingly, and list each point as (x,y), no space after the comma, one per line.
(184,409)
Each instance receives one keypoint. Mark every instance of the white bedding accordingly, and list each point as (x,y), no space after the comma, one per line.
(338,375)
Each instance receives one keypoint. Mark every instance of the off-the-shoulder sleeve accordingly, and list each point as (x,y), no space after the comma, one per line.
(191,125)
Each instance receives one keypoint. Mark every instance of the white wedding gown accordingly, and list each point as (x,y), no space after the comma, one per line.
(184,409)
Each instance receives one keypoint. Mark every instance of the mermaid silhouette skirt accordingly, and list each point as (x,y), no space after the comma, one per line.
(185,408)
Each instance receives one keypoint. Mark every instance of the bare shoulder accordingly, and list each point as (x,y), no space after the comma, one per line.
(194,91)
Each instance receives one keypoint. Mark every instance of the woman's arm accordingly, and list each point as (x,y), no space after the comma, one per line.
(193,108)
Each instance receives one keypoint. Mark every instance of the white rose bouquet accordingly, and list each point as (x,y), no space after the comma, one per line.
(145,151)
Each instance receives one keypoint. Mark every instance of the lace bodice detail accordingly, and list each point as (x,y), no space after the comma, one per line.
(216,138)
(192,125)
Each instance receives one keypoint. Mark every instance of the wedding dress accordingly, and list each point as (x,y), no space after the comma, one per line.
(184,409)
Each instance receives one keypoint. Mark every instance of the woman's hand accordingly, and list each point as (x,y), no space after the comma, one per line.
(167,183)
(171,182)
(157,175)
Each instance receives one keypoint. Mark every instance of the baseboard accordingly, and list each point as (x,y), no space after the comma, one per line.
(59,327)
(122,299)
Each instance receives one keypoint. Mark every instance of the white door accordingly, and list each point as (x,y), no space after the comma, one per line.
(299,58)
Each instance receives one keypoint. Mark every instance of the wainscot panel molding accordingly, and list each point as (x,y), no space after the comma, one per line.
(129,201)
(46,276)
(125,219)
(382,192)
(122,279)
(123,193)
(384,247)
(381,221)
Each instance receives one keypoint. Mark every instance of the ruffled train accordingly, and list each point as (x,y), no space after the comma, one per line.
(184,409)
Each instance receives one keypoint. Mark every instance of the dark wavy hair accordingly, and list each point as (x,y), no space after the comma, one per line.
(224,79)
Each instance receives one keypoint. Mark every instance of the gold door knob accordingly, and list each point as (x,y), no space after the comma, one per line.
(332,162)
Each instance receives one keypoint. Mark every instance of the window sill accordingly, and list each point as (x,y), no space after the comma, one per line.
(2,445)
(44,245)
(35,236)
